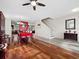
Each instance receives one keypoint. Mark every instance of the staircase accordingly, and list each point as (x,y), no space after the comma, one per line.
(47,22)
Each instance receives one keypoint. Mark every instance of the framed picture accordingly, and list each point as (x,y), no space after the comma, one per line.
(70,24)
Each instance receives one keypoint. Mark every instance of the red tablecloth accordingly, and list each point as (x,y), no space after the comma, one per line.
(25,34)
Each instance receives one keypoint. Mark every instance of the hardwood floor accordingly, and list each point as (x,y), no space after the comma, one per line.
(25,52)
(38,50)
(54,51)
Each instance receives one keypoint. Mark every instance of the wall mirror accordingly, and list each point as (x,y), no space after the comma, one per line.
(70,24)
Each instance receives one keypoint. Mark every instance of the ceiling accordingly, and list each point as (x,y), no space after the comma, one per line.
(54,9)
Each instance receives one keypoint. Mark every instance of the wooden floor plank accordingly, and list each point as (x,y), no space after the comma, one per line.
(25,52)
(54,51)
(38,50)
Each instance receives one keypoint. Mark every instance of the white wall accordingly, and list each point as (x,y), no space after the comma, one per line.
(42,30)
(58,26)
(8,26)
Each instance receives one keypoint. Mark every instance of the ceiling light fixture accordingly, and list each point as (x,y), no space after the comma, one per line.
(75,10)
(33,3)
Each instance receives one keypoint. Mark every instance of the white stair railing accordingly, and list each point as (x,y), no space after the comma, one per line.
(49,22)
